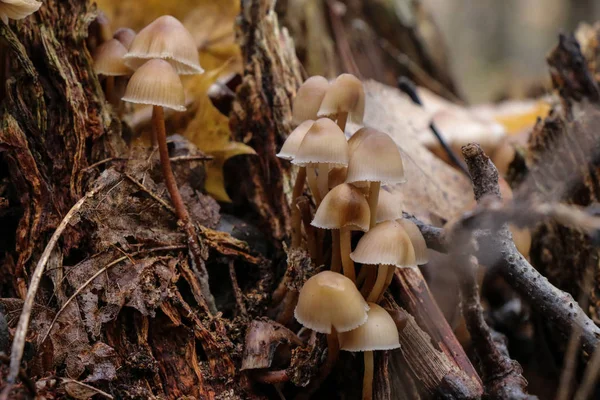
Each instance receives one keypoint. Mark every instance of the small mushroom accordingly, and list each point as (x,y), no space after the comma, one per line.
(308,99)
(288,152)
(345,98)
(156,83)
(168,39)
(330,303)
(379,333)
(375,158)
(17,9)
(389,207)
(324,146)
(108,61)
(125,36)
(387,245)
(343,210)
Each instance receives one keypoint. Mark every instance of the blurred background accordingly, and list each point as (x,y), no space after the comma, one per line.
(498,48)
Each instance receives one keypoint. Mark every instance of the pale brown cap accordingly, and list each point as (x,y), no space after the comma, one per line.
(345,94)
(328,300)
(343,206)
(156,83)
(379,333)
(389,207)
(125,36)
(168,39)
(375,157)
(308,99)
(417,240)
(323,143)
(108,59)
(17,9)
(291,144)
(386,244)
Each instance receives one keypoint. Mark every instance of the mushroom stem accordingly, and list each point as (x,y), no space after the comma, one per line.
(388,281)
(345,249)
(333,351)
(336,255)
(311,234)
(158,126)
(323,179)
(371,276)
(311,177)
(362,275)
(341,120)
(296,217)
(373,200)
(368,376)
(109,89)
(379,286)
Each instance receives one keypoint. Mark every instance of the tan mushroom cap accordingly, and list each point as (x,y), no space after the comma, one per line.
(375,157)
(344,206)
(389,207)
(168,39)
(345,94)
(125,36)
(379,333)
(108,59)
(417,240)
(328,300)
(156,83)
(323,143)
(291,144)
(308,99)
(17,9)
(385,244)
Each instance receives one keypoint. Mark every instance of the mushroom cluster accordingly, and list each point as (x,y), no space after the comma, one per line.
(153,58)
(346,180)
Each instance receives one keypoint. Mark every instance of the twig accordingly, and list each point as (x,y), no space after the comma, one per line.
(192,158)
(98,391)
(150,193)
(21,330)
(239,296)
(408,87)
(341,40)
(98,273)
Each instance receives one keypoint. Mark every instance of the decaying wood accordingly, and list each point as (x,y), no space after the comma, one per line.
(261,115)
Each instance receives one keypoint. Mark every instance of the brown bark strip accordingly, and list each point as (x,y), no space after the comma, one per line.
(261,115)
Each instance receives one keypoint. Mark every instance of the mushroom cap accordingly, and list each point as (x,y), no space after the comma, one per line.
(345,94)
(374,157)
(308,99)
(323,143)
(168,39)
(417,240)
(328,300)
(125,36)
(379,333)
(17,9)
(108,59)
(290,146)
(389,207)
(156,83)
(343,206)
(386,244)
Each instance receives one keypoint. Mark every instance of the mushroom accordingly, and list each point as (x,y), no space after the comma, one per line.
(156,83)
(387,245)
(389,207)
(288,152)
(330,303)
(343,210)
(375,158)
(17,9)
(345,98)
(108,61)
(324,146)
(168,39)
(308,99)
(379,333)
(125,36)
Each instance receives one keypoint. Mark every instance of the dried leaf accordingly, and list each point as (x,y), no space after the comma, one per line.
(209,131)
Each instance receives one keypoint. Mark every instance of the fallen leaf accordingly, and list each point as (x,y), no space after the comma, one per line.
(209,131)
